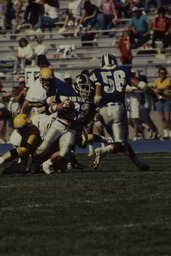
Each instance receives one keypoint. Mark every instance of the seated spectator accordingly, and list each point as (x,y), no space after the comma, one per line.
(32,12)
(147,3)
(23,55)
(73,13)
(50,15)
(123,7)
(139,27)
(8,16)
(124,48)
(89,16)
(108,17)
(161,28)
(41,51)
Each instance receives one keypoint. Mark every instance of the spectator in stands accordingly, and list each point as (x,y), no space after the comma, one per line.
(8,16)
(41,51)
(89,16)
(147,4)
(32,12)
(73,13)
(2,117)
(162,86)
(108,16)
(139,27)
(23,55)
(50,15)
(123,7)
(124,48)
(161,28)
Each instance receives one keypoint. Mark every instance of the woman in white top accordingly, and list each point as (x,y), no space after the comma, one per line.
(74,12)
(23,56)
(50,15)
(41,51)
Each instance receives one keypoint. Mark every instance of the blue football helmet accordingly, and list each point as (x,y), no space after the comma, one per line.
(108,60)
(83,86)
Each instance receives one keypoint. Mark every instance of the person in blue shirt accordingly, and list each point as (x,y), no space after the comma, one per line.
(110,83)
(139,28)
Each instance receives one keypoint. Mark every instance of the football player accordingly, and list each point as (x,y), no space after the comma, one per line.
(75,107)
(110,81)
(30,139)
(45,86)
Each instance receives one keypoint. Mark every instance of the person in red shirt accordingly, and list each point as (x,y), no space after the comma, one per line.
(124,48)
(161,28)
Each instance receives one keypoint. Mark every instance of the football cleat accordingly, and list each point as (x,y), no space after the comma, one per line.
(145,167)
(98,156)
(47,168)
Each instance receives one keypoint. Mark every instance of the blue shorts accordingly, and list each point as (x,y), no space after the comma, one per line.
(164,107)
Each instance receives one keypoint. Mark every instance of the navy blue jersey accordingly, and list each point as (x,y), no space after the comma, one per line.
(80,107)
(113,83)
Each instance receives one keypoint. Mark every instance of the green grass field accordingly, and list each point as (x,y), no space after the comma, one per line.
(115,210)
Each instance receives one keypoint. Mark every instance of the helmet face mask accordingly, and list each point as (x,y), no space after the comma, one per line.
(46,77)
(108,61)
(83,86)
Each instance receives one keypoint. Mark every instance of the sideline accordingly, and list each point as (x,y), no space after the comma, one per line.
(141,146)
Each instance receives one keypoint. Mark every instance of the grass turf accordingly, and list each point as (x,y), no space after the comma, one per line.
(115,210)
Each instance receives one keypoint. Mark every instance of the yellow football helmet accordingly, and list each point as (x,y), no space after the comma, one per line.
(46,77)
(20,122)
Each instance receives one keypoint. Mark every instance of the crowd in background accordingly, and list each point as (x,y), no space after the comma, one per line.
(85,16)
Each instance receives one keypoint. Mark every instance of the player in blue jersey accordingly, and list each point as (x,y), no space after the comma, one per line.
(110,83)
(74,105)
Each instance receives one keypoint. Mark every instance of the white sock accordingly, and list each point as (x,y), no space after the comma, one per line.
(90,148)
(102,145)
(108,150)
(166,133)
(170,133)
(48,162)
(1,160)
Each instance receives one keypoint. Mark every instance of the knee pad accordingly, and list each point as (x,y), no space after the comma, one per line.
(23,152)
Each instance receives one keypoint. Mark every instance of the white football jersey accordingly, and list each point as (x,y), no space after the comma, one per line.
(43,122)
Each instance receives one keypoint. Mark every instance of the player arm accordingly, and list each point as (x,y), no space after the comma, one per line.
(144,87)
(98,95)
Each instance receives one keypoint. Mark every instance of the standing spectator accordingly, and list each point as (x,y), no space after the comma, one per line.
(132,102)
(41,51)
(24,55)
(89,16)
(8,16)
(50,15)
(139,27)
(161,87)
(161,28)
(146,121)
(108,15)
(147,3)
(74,13)
(124,48)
